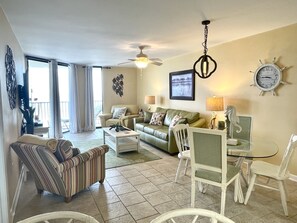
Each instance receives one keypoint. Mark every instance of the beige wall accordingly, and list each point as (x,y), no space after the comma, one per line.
(10,122)
(130,87)
(274,117)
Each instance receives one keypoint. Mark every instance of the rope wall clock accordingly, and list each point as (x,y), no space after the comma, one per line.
(268,77)
(11,84)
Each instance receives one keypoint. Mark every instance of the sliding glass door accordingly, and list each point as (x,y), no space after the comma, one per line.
(39,92)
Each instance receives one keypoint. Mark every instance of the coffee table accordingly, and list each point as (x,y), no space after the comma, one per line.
(121,141)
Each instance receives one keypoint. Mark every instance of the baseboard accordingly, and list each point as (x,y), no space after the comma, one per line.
(293,177)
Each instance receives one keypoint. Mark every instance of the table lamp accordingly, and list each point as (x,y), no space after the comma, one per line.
(150,100)
(214,104)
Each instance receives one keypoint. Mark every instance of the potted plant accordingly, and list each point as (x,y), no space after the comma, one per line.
(28,114)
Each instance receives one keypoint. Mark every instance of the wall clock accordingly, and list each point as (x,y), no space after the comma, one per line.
(10,78)
(268,77)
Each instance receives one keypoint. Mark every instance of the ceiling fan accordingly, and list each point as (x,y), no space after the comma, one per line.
(142,60)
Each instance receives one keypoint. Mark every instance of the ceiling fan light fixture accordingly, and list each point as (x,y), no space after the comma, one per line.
(141,62)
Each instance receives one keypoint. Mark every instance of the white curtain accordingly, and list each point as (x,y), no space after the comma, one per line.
(89,100)
(74,108)
(55,129)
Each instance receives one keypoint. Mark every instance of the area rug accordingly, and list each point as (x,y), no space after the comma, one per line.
(123,159)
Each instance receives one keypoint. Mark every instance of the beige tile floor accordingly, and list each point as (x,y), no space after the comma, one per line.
(141,192)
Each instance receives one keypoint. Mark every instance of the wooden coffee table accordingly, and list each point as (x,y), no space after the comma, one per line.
(121,141)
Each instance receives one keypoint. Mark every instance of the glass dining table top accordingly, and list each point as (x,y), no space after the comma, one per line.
(257,148)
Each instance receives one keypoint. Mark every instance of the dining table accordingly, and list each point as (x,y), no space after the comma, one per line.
(255,149)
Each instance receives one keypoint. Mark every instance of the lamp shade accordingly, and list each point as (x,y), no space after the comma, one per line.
(149,100)
(215,104)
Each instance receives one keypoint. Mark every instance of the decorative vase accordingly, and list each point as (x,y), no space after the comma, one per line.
(30,128)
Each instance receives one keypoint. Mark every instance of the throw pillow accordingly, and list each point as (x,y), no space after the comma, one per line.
(64,150)
(147,116)
(157,118)
(118,112)
(175,120)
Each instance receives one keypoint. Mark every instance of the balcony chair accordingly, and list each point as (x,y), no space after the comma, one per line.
(209,163)
(59,168)
(120,114)
(191,215)
(181,138)
(68,216)
(279,173)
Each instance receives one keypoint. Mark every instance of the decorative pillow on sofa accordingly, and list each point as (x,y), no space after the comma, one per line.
(157,118)
(175,120)
(118,112)
(147,116)
(64,150)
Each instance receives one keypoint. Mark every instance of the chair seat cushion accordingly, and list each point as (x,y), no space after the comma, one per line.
(266,169)
(215,176)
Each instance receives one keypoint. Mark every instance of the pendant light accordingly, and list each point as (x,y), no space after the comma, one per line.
(204,60)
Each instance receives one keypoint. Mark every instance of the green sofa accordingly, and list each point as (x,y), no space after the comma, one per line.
(161,136)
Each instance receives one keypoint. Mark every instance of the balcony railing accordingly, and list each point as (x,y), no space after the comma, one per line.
(42,112)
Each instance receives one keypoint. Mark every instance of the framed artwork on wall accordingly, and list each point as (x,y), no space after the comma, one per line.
(182,85)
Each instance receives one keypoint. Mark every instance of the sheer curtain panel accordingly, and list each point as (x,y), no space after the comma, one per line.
(89,100)
(74,108)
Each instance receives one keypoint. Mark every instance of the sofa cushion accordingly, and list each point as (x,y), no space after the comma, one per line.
(131,109)
(171,113)
(190,116)
(162,110)
(162,133)
(157,118)
(63,150)
(118,112)
(158,131)
(140,126)
(147,116)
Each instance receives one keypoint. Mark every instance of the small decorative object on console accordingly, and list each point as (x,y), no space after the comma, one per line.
(118,128)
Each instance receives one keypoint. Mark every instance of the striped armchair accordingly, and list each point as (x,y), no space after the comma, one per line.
(59,168)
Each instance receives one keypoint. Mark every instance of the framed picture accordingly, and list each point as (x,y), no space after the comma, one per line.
(182,85)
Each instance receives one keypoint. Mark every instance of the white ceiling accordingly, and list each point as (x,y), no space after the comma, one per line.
(107,32)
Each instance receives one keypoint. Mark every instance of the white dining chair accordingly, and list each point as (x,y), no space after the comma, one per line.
(191,215)
(209,163)
(279,173)
(181,138)
(64,216)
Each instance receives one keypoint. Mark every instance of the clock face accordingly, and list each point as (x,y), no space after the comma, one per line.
(267,77)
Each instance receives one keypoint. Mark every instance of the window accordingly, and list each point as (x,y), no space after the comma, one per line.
(97,93)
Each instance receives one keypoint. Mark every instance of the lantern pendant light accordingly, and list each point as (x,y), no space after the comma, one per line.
(203,70)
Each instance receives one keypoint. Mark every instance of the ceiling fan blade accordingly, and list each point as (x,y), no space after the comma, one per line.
(125,62)
(157,63)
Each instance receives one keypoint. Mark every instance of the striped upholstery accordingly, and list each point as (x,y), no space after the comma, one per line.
(65,178)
